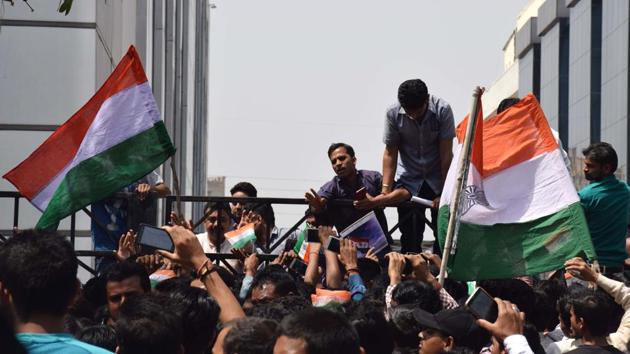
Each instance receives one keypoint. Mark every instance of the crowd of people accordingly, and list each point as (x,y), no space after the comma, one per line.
(180,301)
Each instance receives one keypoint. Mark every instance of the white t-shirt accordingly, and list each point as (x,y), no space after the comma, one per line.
(208,247)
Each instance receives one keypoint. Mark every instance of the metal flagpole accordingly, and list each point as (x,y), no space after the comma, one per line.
(178,195)
(460,183)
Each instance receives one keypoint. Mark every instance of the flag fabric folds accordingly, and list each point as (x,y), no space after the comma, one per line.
(302,247)
(116,138)
(519,213)
(242,237)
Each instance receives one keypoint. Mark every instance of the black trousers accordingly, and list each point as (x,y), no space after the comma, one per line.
(411,238)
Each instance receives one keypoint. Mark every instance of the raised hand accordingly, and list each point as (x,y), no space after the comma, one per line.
(577,267)
(126,246)
(251,264)
(143,190)
(509,321)
(316,202)
(348,254)
(396,267)
(367,203)
(371,255)
(188,250)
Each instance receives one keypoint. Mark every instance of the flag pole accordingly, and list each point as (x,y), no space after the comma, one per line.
(178,195)
(460,183)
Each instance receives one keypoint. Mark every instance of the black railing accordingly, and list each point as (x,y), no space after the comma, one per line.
(215,257)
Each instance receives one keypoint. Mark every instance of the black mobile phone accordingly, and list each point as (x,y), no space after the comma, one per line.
(482,305)
(154,238)
(312,235)
(334,244)
(297,266)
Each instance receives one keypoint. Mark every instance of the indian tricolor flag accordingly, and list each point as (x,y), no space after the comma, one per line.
(240,238)
(520,213)
(115,139)
(302,247)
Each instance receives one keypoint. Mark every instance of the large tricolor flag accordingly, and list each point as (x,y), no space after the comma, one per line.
(520,213)
(115,139)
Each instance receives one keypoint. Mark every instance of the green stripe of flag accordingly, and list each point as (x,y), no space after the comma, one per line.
(113,169)
(509,250)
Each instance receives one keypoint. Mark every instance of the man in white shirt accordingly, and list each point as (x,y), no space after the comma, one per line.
(216,225)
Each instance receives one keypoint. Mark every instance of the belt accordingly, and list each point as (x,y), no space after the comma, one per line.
(610,269)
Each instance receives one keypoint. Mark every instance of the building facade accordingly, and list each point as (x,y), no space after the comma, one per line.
(573,55)
(51,64)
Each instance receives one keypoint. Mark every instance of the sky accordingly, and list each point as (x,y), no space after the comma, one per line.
(289,77)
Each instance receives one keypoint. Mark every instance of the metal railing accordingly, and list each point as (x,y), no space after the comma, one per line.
(215,257)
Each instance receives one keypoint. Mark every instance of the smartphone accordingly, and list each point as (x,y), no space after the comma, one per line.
(360,194)
(297,266)
(155,238)
(482,305)
(334,244)
(312,235)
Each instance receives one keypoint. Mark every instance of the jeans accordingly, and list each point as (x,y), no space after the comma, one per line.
(411,241)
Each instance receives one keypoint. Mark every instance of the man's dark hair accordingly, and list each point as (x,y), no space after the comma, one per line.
(145,326)
(374,333)
(324,331)
(199,314)
(507,103)
(251,335)
(244,187)
(211,207)
(39,269)
(125,270)
(514,290)
(404,326)
(101,335)
(595,312)
(417,293)
(265,210)
(283,281)
(368,269)
(544,315)
(336,146)
(602,153)
(412,94)
(279,308)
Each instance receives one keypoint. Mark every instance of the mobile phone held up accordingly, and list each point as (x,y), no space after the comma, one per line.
(360,194)
(153,238)
(334,244)
(482,305)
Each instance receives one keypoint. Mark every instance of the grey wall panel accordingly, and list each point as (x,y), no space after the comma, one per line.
(614,108)
(526,74)
(579,74)
(549,74)
(549,13)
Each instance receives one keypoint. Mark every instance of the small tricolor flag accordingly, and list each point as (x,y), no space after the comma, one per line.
(323,297)
(241,237)
(519,213)
(115,139)
(302,247)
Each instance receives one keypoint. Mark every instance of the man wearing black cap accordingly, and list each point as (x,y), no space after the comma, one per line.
(447,329)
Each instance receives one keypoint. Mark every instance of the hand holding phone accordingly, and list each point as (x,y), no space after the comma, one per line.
(482,305)
(334,244)
(154,238)
(360,194)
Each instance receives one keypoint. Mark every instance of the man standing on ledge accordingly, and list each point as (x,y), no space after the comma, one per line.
(421,128)
(606,206)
